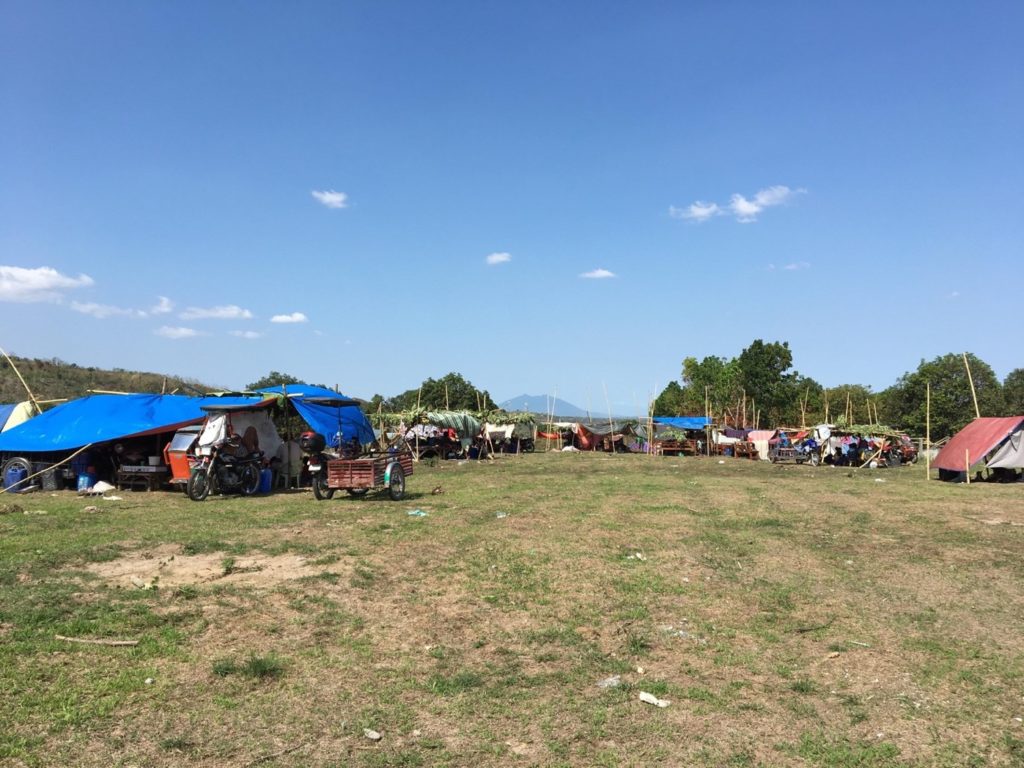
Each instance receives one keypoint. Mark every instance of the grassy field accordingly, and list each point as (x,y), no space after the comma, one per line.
(791,615)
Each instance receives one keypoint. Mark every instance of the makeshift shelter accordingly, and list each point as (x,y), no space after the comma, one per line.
(104,418)
(684,422)
(602,435)
(761,438)
(327,412)
(999,436)
(98,422)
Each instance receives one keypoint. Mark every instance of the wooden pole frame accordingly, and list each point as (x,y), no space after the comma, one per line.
(928,431)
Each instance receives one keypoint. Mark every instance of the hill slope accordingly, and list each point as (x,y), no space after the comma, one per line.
(53,379)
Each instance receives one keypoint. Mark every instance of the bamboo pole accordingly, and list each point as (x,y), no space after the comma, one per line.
(707,413)
(826,406)
(448,407)
(974,395)
(31,397)
(967,464)
(611,426)
(928,431)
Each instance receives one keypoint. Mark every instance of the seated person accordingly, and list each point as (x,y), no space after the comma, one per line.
(351,449)
(250,443)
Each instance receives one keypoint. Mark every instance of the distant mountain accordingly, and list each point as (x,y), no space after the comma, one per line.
(541,404)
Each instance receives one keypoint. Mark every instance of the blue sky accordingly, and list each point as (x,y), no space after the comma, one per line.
(179,180)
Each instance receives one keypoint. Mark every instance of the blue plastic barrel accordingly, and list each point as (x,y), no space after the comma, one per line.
(86,481)
(14,476)
(266,480)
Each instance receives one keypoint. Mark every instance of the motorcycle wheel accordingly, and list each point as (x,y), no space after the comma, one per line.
(528,446)
(320,489)
(249,479)
(396,486)
(198,484)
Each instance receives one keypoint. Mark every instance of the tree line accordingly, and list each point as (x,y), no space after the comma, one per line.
(760,384)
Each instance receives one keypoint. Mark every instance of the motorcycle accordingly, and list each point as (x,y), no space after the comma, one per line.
(224,471)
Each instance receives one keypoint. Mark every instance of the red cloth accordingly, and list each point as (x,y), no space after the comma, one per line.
(975,441)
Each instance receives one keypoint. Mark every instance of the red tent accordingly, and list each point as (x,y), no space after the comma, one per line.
(975,441)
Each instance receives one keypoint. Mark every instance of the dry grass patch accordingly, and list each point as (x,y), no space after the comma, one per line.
(792,616)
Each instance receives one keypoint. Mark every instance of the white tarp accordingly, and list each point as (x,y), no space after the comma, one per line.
(760,438)
(215,431)
(1010,455)
(22,412)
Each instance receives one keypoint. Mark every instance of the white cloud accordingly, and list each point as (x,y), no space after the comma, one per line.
(294,317)
(797,265)
(25,285)
(229,312)
(103,311)
(499,258)
(598,274)
(331,199)
(162,307)
(169,332)
(745,210)
(247,334)
(699,211)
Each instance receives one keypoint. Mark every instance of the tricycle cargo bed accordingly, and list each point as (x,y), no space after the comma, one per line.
(366,471)
(378,471)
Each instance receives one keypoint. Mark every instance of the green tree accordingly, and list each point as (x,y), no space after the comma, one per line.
(951,404)
(858,396)
(670,401)
(1013,392)
(717,378)
(763,376)
(274,379)
(450,391)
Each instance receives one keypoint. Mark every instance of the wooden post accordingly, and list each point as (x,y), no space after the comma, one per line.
(928,431)
(611,426)
(977,413)
(826,406)
(967,464)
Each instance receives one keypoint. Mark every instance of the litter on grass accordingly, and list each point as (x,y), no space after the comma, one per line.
(650,698)
(416,513)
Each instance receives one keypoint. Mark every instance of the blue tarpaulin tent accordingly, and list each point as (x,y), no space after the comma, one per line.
(101,418)
(683,422)
(323,409)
